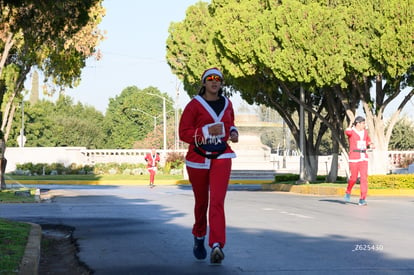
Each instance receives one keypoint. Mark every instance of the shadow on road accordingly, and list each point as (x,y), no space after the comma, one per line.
(149,232)
(338,201)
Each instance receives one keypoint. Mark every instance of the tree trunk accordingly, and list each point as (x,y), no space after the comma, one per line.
(378,162)
(7,46)
(333,172)
(3,163)
(9,123)
(311,167)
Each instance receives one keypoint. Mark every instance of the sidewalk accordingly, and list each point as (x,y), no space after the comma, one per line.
(31,258)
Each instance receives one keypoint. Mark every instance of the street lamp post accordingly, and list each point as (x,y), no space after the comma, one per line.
(22,130)
(164,115)
(164,119)
(21,139)
(154,117)
(176,135)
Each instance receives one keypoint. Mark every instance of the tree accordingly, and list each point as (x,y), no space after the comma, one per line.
(189,47)
(55,37)
(38,123)
(270,50)
(130,116)
(402,137)
(60,124)
(237,47)
(383,67)
(78,125)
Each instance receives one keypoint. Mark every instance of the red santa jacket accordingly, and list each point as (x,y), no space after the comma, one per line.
(193,129)
(152,160)
(358,144)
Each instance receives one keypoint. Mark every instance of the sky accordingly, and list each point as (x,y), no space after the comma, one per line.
(133,52)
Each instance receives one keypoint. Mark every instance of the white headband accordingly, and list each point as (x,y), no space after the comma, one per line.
(210,72)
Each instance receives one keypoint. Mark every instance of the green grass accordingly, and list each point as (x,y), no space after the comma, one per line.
(9,196)
(319,183)
(13,239)
(13,235)
(10,177)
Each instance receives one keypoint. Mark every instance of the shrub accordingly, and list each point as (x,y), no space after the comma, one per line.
(393,181)
(35,169)
(175,160)
(58,167)
(97,169)
(286,177)
(106,168)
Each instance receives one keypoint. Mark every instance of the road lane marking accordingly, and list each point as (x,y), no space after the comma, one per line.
(296,215)
(288,213)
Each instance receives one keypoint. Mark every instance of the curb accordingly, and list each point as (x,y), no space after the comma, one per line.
(31,258)
(309,189)
(305,189)
(332,191)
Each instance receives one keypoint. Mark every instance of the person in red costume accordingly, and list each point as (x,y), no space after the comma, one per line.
(359,142)
(207,123)
(152,160)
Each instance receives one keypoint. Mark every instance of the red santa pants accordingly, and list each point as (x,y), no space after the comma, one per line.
(210,187)
(152,171)
(361,168)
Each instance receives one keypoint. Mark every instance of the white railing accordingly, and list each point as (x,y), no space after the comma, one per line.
(245,159)
(121,155)
(106,156)
(77,155)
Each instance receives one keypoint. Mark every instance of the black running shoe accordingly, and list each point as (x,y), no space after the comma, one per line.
(216,255)
(199,250)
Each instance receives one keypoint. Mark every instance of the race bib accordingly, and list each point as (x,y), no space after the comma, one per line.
(361,145)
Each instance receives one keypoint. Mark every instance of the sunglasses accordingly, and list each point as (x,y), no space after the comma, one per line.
(213,78)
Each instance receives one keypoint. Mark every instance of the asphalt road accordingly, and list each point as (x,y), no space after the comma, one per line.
(138,230)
